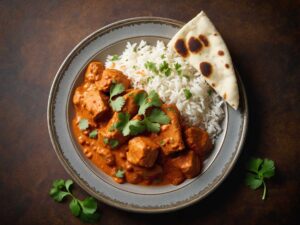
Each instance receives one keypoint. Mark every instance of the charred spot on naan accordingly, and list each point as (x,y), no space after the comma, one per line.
(181,48)
(206,69)
(204,40)
(194,45)
(221,53)
(227,66)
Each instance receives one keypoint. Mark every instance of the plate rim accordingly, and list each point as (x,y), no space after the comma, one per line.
(67,167)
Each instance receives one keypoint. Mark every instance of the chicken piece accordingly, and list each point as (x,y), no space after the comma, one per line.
(107,155)
(130,106)
(189,164)
(110,76)
(198,140)
(149,174)
(173,174)
(110,133)
(170,137)
(142,151)
(93,101)
(94,71)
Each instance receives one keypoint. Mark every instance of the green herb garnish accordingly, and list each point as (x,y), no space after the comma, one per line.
(93,134)
(259,169)
(119,102)
(151,66)
(86,210)
(115,58)
(187,93)
(164,68)
(158,116)
(120,173)
(113,143)
(150,122)
(162,56)
(209,92)
(83,124)
(145,102)
(177,67)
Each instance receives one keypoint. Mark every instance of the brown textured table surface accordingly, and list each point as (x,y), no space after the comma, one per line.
(35,37)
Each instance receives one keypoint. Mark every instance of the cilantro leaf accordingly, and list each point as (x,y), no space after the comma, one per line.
(151,66)
(86,210)
(89,205)
(116,89)
(58,183)
(268,168)
(152,100)
(75,207)
(115,58)
(117,104)
(177,67)
(123,119)
(83,124)
(133,127)
(187,94)
(158,116)
(68,184)
(164,68)
(254,165)
(120,173)
(113,143)
(258,170)
(93,134)
(252,181)
(150,126)
(140,98)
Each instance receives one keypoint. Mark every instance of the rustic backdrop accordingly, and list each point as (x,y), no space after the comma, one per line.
(263,37)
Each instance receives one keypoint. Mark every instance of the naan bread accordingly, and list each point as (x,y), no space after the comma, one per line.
(202,46)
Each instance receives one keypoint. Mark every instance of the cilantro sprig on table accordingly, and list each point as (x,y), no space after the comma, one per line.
(86,210)
(118,103)
(257,171)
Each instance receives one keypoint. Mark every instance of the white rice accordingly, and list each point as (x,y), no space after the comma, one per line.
(203,109)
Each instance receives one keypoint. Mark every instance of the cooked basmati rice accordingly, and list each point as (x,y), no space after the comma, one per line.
(147,67)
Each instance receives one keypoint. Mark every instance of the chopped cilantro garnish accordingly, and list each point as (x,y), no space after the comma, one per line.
(113,143)
(115,58)
(151,66)
(83,124)
(120,173)
(187,93)
(164,68)
(178,68)
(93,134)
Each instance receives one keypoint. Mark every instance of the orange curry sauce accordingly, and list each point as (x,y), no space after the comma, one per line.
(170,156)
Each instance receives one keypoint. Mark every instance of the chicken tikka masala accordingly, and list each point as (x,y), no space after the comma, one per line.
(132,135)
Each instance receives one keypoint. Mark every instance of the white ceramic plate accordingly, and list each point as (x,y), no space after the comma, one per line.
(112,39)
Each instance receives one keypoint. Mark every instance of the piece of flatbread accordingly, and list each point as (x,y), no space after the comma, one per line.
(202,46)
